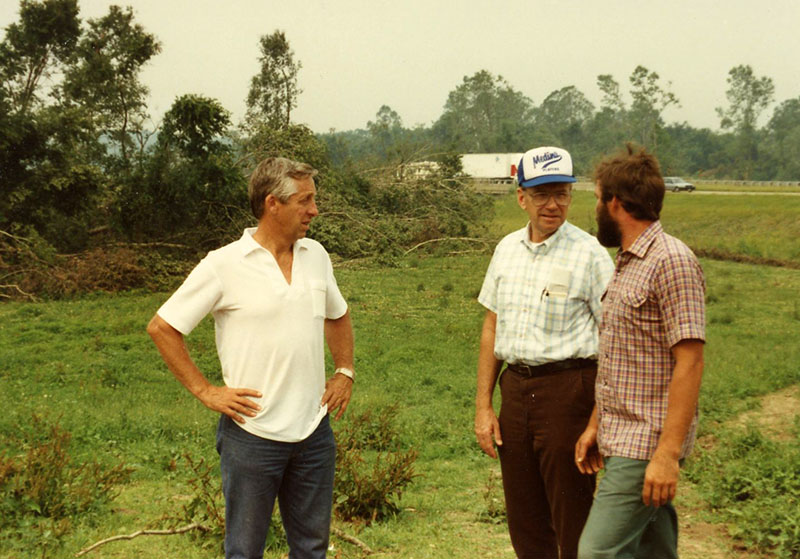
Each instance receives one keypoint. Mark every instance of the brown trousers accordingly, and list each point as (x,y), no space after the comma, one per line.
(547,498)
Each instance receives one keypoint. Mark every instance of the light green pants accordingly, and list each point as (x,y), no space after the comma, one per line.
(620,525)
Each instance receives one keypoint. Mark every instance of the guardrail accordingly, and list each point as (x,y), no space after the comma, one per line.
(502,186)
(695,180)
(746,183)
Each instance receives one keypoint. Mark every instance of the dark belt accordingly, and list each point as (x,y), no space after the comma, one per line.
(549,368)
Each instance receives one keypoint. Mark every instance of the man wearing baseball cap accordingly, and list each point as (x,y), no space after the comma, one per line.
(542,297)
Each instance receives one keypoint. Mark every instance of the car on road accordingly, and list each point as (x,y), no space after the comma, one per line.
(676,184)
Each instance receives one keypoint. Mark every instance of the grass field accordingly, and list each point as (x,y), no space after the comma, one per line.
(754,228)
(759,188)
(88,364)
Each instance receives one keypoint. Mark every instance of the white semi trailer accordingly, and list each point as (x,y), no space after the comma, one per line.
(491,167)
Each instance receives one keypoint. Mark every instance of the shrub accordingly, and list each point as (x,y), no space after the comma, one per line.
(371,472)
(43,492)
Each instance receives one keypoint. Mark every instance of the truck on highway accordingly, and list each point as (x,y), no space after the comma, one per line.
(491,167)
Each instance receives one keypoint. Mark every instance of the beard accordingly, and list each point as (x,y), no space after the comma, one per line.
(608,232)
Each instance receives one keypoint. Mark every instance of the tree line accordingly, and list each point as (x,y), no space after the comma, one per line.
(485,114)
(82,164)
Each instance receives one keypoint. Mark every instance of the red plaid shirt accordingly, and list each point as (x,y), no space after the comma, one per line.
(655,299)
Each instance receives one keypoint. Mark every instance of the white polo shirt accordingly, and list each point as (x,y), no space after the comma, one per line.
(270,335)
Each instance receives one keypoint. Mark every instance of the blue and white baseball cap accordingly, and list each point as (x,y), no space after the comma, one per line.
(543,166)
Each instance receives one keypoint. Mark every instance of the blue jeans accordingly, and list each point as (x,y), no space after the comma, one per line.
(256,470)
(620,525)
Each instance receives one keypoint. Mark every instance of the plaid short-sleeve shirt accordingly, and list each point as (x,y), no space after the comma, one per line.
(546,295)
(655,299)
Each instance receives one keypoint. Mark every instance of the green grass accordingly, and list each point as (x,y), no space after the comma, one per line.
(760,188)
(89,364)
(754,228)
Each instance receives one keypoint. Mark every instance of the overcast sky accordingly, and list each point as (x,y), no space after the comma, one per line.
(409,54)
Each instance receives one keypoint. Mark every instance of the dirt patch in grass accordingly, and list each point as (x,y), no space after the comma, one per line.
(732,256)
(776,418)
(699,539)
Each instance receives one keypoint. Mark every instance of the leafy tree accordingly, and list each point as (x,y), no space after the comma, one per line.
(347,148)
(690,151)
(612,98)
(189,186)
(748,96)
(195,125)
(46,35)
(485,114)
(273,91)
(562,117)
(649,101)
(784,140)
(296,142)
(105,77)
(47,180)
(386,131)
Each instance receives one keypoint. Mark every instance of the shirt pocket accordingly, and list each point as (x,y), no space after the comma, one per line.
(553,312)
(555,304)
(319,292)
(637,311)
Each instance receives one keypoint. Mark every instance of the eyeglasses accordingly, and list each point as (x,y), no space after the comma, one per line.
(562,198)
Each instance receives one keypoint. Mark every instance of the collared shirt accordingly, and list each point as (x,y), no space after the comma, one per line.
(269,333)
(546,295)
(654,300)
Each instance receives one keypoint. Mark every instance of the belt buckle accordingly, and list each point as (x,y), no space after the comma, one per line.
(525,369)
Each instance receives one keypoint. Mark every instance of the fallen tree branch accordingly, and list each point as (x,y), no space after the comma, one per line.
(336,531)
(17,288)
(423,243)
(155,244)
(352,539)
(170,532)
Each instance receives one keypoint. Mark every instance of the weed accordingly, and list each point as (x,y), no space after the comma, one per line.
(44,493)
(370,493)
(493,500)
(368,430)
(754,484)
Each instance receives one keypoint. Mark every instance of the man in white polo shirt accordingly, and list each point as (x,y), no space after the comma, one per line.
(275,302)
(542,297)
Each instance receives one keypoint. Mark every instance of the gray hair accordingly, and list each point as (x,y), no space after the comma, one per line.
(276,176)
